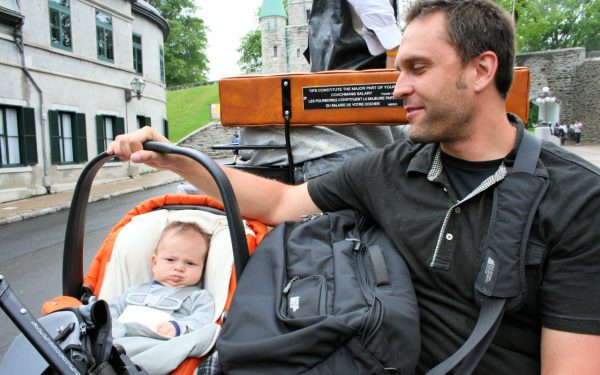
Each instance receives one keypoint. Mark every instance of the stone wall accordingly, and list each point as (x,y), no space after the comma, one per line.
(574,80)
(587,99)
(207,136)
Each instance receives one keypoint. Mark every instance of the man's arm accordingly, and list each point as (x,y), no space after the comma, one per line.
(268,201)
(569,353)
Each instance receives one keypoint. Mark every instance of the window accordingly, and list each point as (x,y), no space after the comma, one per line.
(162,64)
(60,24)
(107,128)
(137,54)
(298,52)
(68,144)
(165,128)
(104,36)
(307,15)
(274,51)
(17,137)
(143,121)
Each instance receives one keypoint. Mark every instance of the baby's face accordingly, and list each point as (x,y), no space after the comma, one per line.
(179,259)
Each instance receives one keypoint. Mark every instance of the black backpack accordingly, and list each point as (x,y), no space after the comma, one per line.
(331,295)
(327,295)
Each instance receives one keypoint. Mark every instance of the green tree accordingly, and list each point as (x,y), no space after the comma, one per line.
(553,24)
(250,52)
(185,47)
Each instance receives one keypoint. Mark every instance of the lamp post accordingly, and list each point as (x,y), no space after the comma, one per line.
(544,101)
(137,87)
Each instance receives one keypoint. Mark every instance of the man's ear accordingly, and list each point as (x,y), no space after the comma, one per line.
(485,65)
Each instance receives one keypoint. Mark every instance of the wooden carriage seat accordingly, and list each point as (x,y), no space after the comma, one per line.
(342,97)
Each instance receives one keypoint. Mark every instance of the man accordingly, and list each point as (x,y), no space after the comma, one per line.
(433,197)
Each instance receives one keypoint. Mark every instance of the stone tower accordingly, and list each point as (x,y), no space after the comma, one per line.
(297,34)
(273,23)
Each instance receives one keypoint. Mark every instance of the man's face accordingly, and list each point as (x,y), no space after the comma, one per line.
(433,82)
(179,258)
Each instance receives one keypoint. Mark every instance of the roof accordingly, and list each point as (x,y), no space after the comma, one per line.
(144,8)
(271,8)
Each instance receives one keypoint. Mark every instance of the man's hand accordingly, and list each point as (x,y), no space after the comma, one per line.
(130,147)
(166,329)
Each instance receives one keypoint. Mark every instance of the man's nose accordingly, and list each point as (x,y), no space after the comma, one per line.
(402,88)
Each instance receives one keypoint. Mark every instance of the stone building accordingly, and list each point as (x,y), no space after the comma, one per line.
(67,68)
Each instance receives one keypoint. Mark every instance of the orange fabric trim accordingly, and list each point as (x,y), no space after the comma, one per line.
(60,302)
(188,366)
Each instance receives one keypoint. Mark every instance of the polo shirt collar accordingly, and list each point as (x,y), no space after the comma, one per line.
(428,159)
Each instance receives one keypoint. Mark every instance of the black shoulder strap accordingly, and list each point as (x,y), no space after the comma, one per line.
(500,284)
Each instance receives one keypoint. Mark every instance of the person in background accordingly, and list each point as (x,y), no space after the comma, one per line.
(577,127)
(234,142)
(355,35)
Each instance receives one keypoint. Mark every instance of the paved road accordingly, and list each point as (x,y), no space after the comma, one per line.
(31,251)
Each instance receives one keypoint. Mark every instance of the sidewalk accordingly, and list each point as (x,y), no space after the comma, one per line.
(11,212)
(14,211)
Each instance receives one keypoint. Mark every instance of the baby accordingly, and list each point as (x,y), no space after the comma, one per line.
(172,304)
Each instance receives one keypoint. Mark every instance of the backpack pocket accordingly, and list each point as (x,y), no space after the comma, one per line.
(303,297)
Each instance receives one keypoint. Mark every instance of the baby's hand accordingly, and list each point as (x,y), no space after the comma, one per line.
(166,329)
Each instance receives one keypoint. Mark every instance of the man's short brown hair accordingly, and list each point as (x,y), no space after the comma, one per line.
(473,27)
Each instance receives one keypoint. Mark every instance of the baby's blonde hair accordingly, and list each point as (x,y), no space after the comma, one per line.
(181,226)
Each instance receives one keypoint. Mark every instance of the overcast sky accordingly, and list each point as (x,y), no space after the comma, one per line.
(228,21)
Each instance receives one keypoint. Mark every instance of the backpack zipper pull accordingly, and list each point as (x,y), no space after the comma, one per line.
(289,284)
(358,244)
(306,218)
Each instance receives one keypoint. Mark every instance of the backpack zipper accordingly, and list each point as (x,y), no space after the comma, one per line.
(373,323)
(374,317)
(287,287)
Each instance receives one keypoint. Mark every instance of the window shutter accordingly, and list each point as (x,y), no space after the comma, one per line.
(100,136)
(80,138)
(29,141)
(166,128)
(119,126)
(54,137)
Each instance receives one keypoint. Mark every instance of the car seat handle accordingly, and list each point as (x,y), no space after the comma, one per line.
(72,273)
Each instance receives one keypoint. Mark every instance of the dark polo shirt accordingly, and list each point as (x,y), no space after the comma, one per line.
(405,189)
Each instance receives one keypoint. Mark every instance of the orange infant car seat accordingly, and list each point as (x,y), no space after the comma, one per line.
(124,257)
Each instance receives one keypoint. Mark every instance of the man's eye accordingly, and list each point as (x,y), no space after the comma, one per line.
(418,68)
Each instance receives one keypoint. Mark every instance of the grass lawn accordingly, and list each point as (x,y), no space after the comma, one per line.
(189,109)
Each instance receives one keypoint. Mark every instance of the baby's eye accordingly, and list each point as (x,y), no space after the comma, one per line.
(169,259)
(190,264)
